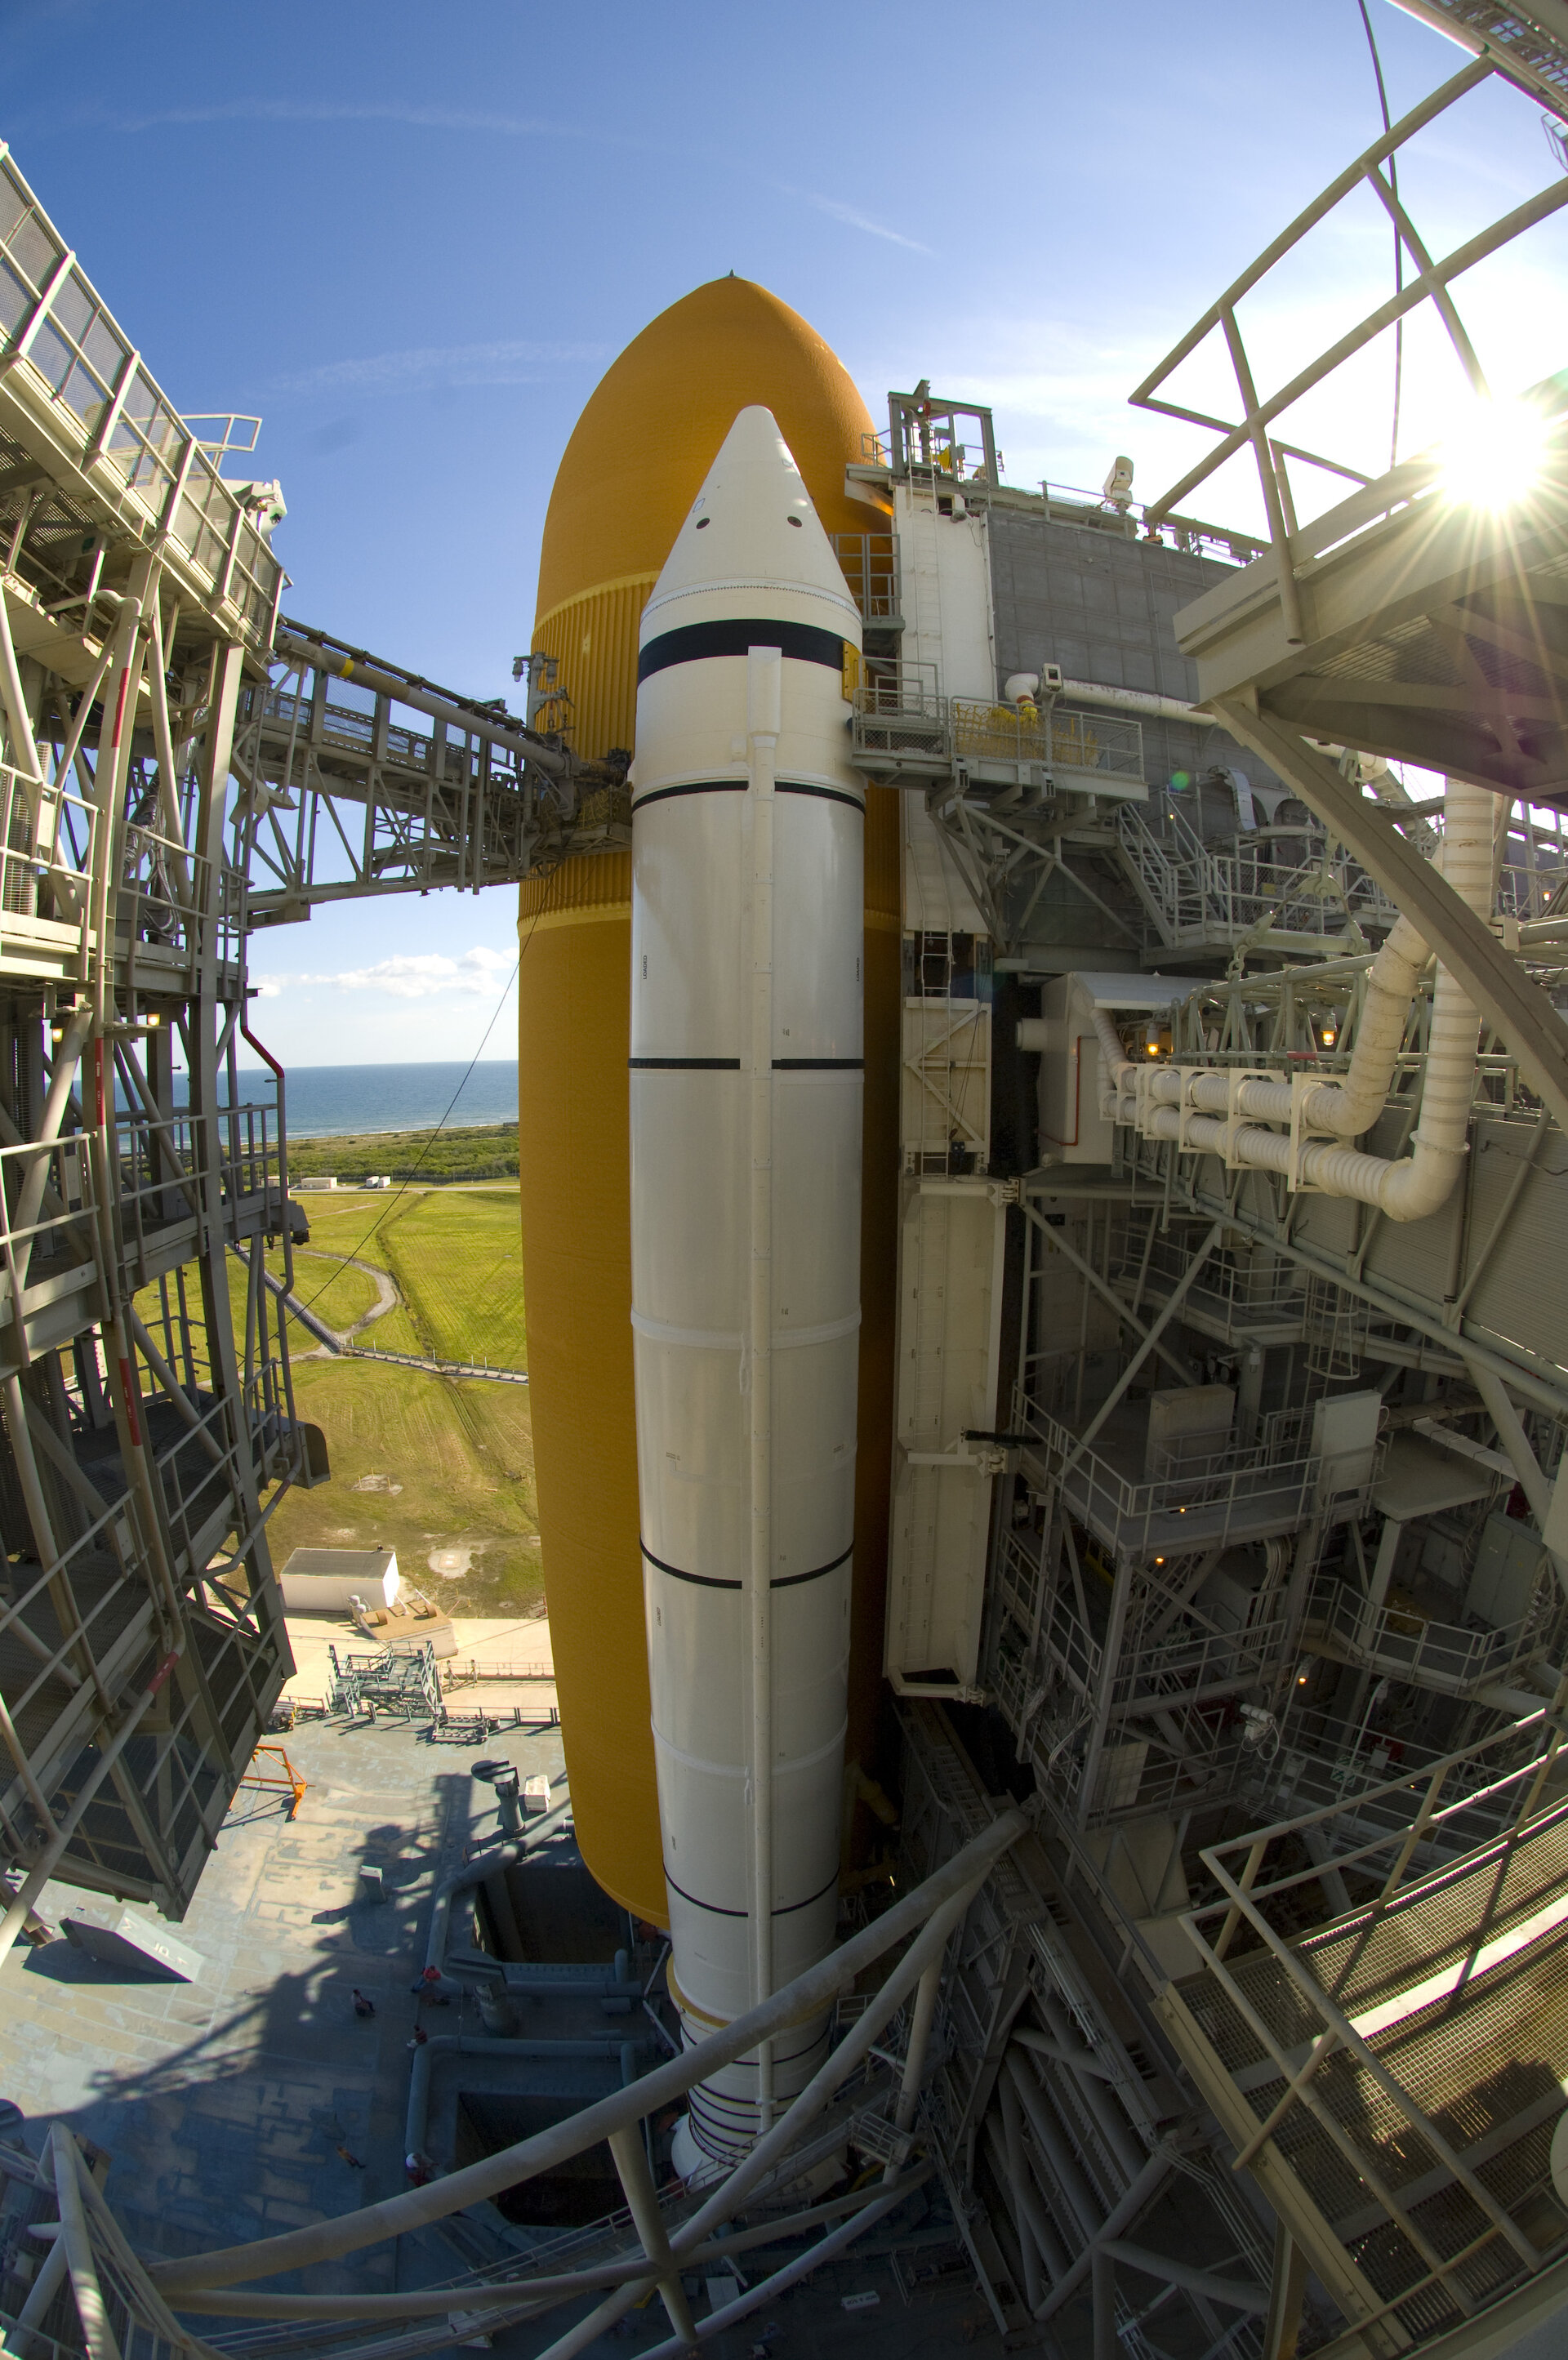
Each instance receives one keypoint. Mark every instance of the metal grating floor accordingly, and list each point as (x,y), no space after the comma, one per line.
(1483,2056)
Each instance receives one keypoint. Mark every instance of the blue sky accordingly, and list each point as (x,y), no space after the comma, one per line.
(414,238)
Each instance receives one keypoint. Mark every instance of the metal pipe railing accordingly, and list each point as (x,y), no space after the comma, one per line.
(929,1913)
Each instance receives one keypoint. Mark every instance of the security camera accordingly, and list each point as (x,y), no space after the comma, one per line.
(1119,483)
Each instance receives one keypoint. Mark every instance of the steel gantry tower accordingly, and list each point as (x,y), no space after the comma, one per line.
(167,783)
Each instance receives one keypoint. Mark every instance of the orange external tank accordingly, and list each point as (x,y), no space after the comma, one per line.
(635,463)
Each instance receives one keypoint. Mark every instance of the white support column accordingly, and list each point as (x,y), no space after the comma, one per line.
(764,674)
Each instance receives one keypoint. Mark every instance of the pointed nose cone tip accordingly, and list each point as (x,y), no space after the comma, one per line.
(755,446)
(752,523)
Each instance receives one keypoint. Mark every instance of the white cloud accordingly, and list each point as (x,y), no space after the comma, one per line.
(853,220)
(412,117)
(472,121)
(512,362)
(424,976)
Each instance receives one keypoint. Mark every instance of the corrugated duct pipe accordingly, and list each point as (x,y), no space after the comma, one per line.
(1416,1184)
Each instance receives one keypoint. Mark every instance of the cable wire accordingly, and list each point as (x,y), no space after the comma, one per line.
(1398,241)
(344,1259)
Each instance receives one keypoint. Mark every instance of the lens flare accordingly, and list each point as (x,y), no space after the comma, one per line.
(1492,455)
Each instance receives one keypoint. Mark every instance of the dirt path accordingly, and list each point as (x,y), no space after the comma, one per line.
(337,1341)
(387,1297)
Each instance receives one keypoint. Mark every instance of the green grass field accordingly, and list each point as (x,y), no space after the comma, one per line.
(479,1152)
(457,1260)
(454,1256)
(420,1463)
(336,1292)
(461,1457)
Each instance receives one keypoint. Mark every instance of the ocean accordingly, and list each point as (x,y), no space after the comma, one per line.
(324,1100)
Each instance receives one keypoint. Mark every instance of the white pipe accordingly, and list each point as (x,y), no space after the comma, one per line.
(41,2293)
(504,1856)
(545,2288)
(1136,700)
(1412,1187)
(67,1057)
(14,710)
(642,2203)
(937,1903)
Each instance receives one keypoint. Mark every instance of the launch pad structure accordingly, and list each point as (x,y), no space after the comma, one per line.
(1221,1997)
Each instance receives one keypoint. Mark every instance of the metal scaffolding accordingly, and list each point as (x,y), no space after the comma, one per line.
(175,770)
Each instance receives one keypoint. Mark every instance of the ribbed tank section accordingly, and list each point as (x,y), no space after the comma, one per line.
(594,641)
(575,940)
(630,472)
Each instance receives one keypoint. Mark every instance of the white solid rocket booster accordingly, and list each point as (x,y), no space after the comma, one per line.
(746,1082)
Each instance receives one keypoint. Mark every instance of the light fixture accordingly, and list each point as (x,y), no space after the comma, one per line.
(1491,456)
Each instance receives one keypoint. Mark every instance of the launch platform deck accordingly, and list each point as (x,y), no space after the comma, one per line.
(224,2102)
(229,2105)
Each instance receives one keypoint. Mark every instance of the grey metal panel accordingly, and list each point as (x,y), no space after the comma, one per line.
(1327,1224)
(1102,607)
(1522,1293)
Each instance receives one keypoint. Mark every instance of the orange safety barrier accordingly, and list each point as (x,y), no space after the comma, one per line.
(289,1780)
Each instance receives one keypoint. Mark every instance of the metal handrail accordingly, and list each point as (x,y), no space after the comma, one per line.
(1394,1639)
(1428,280)
(112,414)
(1128,1509)
(1196,885)
(930,1915)
(1192,1659)
(907,715)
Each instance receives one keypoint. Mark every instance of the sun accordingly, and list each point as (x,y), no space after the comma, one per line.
(1491,454)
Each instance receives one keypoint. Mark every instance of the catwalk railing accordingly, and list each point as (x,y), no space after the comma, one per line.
(1235,1292)
(1375,2013)
(69,364)
(1237,1493)
(357,778)
(1279,881)
(903,723)
(1385,2058)
(1409,1646)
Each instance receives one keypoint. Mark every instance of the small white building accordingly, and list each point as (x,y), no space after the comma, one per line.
(325,1580)
(324,1180)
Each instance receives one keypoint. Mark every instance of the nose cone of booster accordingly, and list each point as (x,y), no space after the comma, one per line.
(751,569)
(752,552)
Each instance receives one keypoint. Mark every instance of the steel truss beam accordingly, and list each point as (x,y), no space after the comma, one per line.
(1515,1007)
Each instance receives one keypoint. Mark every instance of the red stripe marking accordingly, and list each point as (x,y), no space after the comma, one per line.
(120,704)
(163,1670)
(131,1418)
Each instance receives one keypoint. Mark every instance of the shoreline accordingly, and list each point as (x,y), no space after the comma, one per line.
(461,1152)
